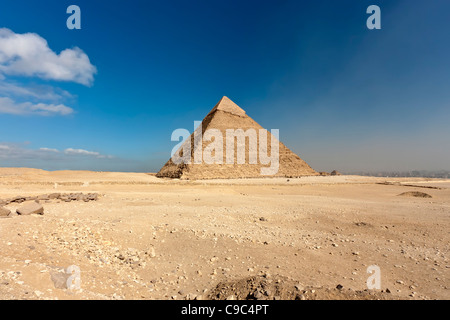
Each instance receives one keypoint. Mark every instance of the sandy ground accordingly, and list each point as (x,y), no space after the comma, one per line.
(149,238)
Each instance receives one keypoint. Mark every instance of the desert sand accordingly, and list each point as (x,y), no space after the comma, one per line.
(278,238)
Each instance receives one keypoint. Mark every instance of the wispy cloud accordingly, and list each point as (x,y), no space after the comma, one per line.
(39,92)
(49,150)
(13,154)
(81,151)
(9,106)
(71,151)
(28,54)
(14,151)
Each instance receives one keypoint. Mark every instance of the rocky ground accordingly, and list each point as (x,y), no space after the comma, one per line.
(134,236)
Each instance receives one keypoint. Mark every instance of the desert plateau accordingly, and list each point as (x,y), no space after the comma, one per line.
(136,236)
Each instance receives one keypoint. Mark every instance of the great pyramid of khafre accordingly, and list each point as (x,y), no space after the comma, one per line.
(224,116)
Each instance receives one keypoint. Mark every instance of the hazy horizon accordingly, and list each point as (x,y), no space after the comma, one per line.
(107,97)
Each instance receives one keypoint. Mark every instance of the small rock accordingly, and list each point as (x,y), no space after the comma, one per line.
(190,296)
(32,208)
(65,199)
(60,279)
(54,196)
(4,212)
(299,287)
(18,199)
(38,293)
(42,197)
(92,196)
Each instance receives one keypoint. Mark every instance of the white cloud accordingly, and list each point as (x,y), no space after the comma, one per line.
(81,151)
(9,106)
(49,150)
(41,92)
(14,151)
(86,153)
(28,54)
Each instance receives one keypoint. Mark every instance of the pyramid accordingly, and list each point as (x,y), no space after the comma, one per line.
(226,115)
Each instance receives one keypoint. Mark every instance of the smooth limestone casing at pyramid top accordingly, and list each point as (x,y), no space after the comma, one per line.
(227,115)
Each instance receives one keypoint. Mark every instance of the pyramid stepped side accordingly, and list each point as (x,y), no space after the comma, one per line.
(230,116)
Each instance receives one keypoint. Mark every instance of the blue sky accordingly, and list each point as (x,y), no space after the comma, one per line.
(344,97)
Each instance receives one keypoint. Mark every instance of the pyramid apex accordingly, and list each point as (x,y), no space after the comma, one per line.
(226,105)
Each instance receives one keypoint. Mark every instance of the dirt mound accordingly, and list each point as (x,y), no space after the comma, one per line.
(416,194)
(281,288)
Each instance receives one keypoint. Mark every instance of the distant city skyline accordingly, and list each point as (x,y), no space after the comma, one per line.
(108,96)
